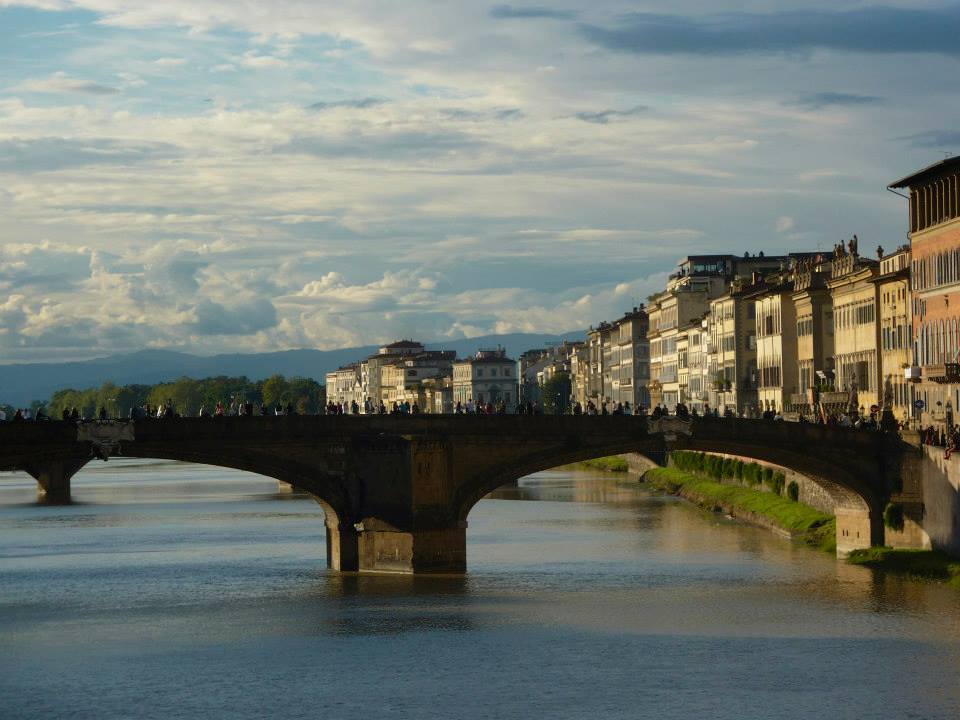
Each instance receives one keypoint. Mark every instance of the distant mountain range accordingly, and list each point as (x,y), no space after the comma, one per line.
(20,384)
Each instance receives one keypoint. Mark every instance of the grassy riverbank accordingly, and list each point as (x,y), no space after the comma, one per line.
(915,564)
(803,522)
(614,463)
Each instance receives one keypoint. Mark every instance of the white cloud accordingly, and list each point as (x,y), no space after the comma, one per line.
(168,62)
(252,59)
(60,82)
(445,187)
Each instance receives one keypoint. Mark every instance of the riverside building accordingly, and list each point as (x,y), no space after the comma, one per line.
(934,226)
(343,386)
(488,377)
(630,358)
(776,340)
(402,380)
(686,299)
(855,329)
(814,332)
(370,369)
(896,331)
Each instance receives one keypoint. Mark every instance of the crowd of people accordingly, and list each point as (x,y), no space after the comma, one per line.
(947,438)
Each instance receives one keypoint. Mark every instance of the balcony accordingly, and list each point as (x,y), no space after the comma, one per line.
(668,375)
(802,398)
(946,373)
(834,398)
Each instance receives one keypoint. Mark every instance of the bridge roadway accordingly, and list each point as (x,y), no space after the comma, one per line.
(397,489)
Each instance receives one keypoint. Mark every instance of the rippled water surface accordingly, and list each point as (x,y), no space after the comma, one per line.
(182,591)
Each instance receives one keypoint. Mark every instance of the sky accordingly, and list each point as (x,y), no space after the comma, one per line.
(228,175)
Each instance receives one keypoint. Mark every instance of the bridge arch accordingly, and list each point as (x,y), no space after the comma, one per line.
(322,487)
(850,478)
(508,473)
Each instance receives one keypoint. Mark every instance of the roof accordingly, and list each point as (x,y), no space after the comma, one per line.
(404,344)
(901,274)
(487,360)
(926,173)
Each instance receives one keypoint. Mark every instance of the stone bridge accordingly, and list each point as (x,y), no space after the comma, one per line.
(397,489)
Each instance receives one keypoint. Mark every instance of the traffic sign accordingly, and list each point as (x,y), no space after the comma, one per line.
(918,404)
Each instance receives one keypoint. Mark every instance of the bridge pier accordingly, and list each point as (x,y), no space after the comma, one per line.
(435,550)
(342,548)
(53,479)
(858,530)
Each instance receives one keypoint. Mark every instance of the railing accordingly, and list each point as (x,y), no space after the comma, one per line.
(801,398)
(668,375)
(944,373)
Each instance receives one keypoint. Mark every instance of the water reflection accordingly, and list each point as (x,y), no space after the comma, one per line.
(188,591)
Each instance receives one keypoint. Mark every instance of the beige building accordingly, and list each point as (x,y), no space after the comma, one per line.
(402,379)
(687,298)
(683,370)
(594,380)
(488,377)
(896,331)
(370,370)
(776,322)
(853,293)
(343,386)
(814,331)
(579,372)
(438,395)
(698,366)
(539,365)
(731,362)
(630,359)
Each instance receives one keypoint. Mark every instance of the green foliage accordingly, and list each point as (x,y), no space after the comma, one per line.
(793,491)
(188,395)
(814,527)
(117,400)
(614,463)
(275,390)
(721,468)
(689,461)
(893,516)
(916,564)
(774,480)
(555,394)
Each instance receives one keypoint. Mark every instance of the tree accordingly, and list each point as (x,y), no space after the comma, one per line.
(556,394)
(189,395)
(276,389)
(307,394)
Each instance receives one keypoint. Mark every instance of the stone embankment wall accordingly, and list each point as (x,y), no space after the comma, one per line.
(639,464)
(853,526)
(931,502)
(811,493)
(930,498)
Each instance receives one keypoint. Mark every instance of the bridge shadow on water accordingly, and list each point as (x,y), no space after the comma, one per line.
(352,604)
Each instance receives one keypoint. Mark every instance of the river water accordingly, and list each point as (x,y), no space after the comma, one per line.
(182,591)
